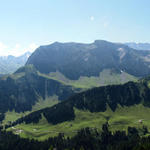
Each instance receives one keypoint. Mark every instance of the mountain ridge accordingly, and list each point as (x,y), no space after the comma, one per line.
(74,60)
(139,46)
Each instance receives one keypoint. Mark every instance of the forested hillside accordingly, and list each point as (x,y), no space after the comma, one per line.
(94,100)
(21,90)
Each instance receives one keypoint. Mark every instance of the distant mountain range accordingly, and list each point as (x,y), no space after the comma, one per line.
(75,60)
(139,46)
(9,64)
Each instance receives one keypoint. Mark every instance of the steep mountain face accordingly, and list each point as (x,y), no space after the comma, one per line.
(21,90)
(95,100)
(74,60)
(139,46)
(9,64)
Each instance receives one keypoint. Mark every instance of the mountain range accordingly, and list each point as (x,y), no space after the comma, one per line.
(139,46)
(62,69)
(75,60)
(64,87)
(9,64)
(56,70)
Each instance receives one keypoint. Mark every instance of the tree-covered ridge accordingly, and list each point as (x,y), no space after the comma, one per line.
(21,90)
(94,100)
(74,60)
(85,139)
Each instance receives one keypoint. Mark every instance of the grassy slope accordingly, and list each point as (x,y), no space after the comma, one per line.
(118,120)
(106,77)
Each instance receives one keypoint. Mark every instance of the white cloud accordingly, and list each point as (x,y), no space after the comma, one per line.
(32,47)
(17,46)
(105,21)
(2,46)
(16,50)
(106,24)
(3,49)
(92,18)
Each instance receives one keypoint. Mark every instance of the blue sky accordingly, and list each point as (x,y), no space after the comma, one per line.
(26,24)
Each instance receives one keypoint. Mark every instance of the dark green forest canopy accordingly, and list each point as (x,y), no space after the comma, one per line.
(85,139)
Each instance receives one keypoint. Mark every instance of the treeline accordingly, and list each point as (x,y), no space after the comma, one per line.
(56,114)
(85,139)
(94,100)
